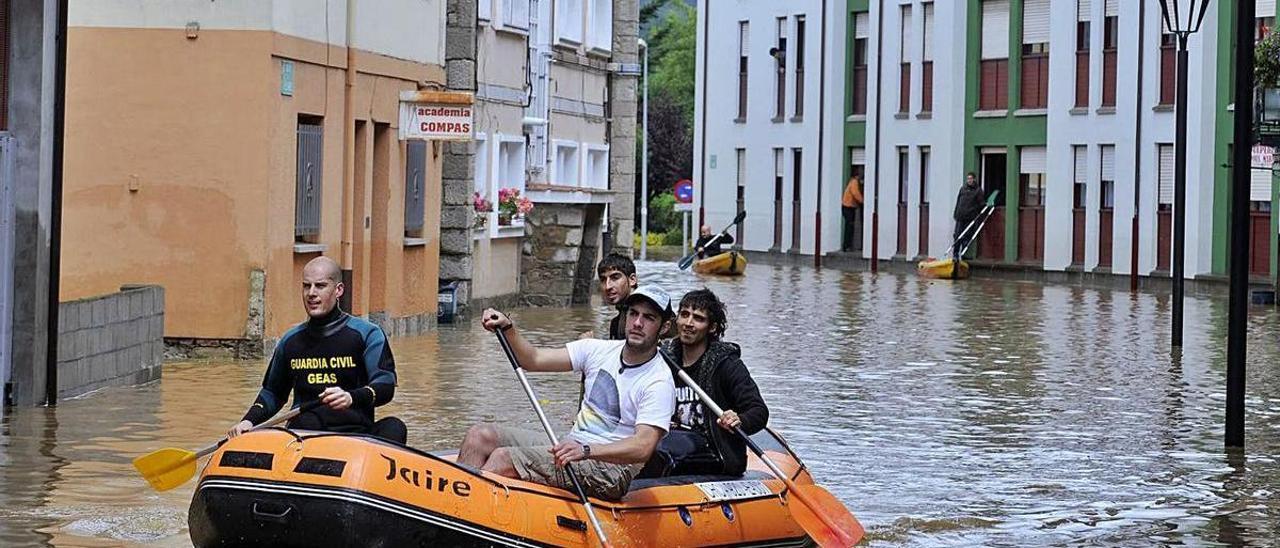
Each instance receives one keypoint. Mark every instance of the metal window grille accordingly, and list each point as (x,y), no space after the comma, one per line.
(415,176)
(309,179)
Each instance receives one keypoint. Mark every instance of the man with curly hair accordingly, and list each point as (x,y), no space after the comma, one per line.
(698,443)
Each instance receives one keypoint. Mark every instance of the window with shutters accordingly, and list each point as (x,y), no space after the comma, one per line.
(993,78)
(904,175)
(861,34)
(564,170)
(600,31)
(1164,198)
(1082,53)
(780,73)
(510,171)
(309,179)
(1108,171)
(1031,176)
(1168,68)
(926,60)
(484,10)
(481,178)
(1035,54)
(904,60)
(744,31)
(779,171)
(1110,47)
(415,179)
(596,173)
(1080,177)
(799,108)
(924,175)
(515,14)
(568,21)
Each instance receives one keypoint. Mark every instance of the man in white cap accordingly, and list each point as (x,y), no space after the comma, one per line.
(630,397)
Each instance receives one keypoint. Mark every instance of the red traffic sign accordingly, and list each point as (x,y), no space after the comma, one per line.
(683,191)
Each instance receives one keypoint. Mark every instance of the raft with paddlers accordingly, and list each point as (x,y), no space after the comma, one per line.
(276,487)
(952,268)
(729,263)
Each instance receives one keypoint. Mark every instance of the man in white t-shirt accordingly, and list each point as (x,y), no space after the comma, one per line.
(630,397)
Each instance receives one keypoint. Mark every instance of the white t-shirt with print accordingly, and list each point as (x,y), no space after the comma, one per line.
(618,398)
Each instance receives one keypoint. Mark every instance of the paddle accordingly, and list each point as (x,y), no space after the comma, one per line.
(687,260)
(822,516)
(551,434)
(991,206)
(170,467)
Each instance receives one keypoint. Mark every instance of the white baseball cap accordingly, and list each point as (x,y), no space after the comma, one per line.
(655,294)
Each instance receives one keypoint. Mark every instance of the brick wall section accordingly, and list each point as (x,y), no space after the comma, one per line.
(110,340)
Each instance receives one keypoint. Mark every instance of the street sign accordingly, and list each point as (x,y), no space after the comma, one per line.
(1263,156)
(683,191)
(436,115)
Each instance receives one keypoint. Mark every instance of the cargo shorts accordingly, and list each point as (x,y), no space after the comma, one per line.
(531,456)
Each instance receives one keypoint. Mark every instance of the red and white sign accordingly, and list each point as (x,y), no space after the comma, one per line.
(435,120)
(1263,156)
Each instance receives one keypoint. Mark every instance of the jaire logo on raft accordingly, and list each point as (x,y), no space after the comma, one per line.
(425,479)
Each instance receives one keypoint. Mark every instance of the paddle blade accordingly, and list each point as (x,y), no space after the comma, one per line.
(166,468)
(687,261)
(823,517)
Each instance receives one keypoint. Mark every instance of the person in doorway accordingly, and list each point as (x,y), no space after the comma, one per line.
(628,408)
(617,274)
(339,359)
(968,206)
(708,245)
(849,204)
(699,443)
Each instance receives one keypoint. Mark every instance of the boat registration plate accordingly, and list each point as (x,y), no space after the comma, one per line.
(732,490)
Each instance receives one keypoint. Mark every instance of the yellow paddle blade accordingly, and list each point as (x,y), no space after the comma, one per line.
(824,517)
(166,468)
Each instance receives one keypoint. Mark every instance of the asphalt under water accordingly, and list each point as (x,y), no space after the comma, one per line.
(943,413)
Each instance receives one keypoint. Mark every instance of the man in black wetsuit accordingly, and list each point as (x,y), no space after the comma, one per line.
(342,360)
(708,248)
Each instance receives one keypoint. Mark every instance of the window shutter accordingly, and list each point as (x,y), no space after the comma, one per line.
(1035,22)
(995,29)
(1113,8)
(858,156)
(1265,8)
(904,45)
(928,32)
(1083,10)
(484,10)
(744,37)
(1260,176)
(862,24)
(1032,160)
(1109,163)
(1166,175)
(515,14)
(415,178)
(1082,164)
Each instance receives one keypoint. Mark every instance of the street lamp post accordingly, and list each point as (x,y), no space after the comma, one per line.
(644,160)
(1238,303)
(1182,18)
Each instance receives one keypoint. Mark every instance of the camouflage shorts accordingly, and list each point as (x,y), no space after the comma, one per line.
(531,456)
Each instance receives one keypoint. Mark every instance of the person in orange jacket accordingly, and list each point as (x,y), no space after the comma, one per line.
(849,203)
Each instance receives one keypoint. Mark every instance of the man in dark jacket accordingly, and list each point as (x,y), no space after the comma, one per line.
(708,245)
(698,443)
(968,205)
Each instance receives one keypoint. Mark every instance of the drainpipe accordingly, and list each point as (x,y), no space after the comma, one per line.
(822,95)
(55,209)
(702,169)
(1137,157)
(875,147)
(348,144)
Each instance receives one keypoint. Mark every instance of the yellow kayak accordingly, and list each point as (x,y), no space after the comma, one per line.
(729,263)
(946,269)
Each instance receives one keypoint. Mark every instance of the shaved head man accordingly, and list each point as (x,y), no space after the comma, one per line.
(341,360)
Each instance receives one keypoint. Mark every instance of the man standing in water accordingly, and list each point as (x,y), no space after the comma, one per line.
(630,399)
(337,358)
(968,206)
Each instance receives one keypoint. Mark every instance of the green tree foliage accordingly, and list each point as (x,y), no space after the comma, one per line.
(673,56)
(671,32)
(662,214)
(1266,62)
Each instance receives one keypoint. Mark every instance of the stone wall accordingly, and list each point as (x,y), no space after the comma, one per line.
(622,126)
(456,213)
(560,251)
(110,340)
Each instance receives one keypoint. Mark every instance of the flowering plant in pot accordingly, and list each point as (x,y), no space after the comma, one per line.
(511,205)
(483,207)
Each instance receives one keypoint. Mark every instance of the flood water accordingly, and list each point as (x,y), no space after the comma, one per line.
(942,413)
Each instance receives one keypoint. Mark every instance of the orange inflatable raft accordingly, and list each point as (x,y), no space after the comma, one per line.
(277,487)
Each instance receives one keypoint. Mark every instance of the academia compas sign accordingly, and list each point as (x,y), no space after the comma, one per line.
(436,115)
